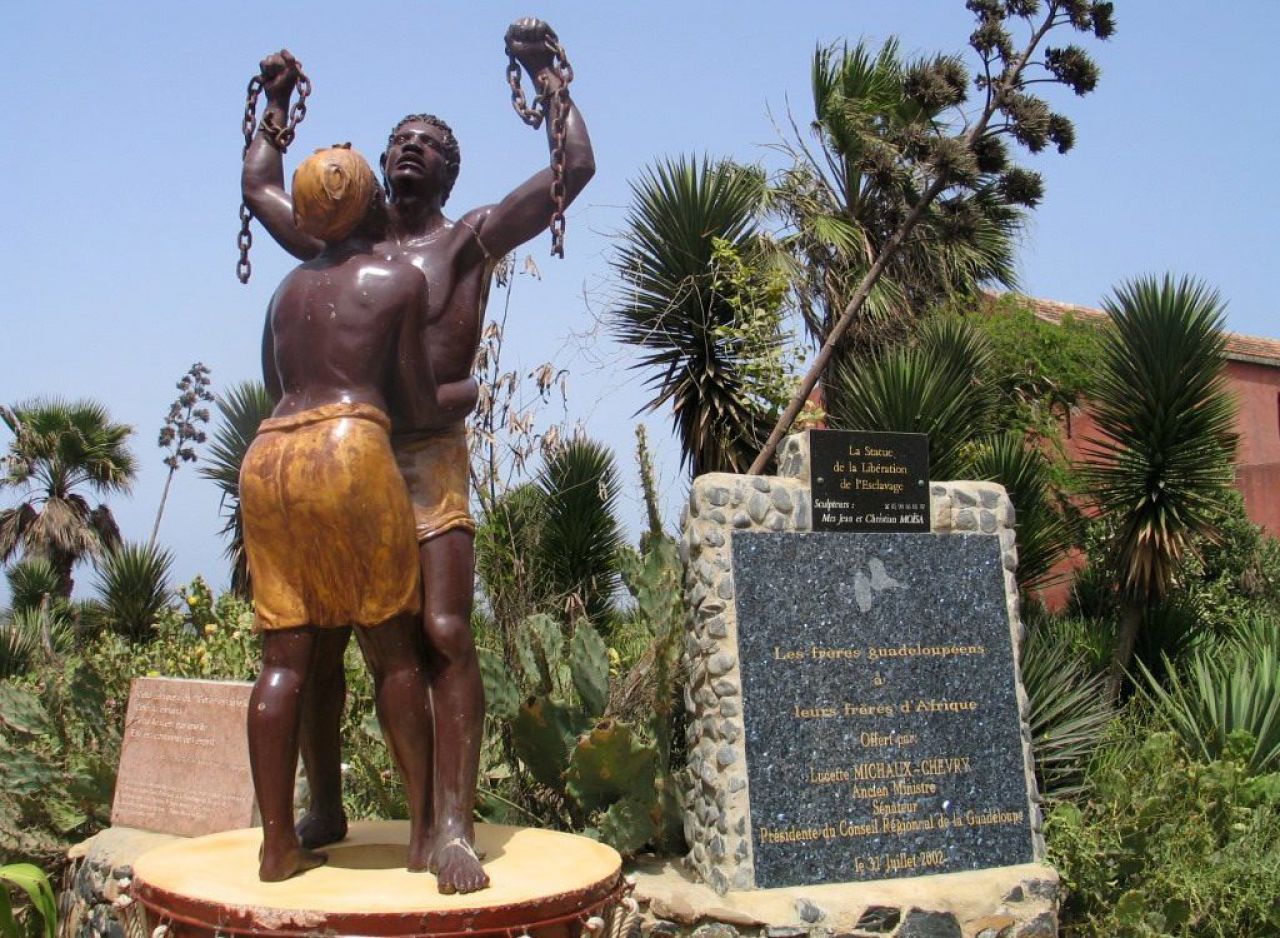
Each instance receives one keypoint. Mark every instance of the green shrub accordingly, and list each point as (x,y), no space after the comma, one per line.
(1167,846)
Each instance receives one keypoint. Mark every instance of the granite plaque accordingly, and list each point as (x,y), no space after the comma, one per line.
(184,763)
(864,481)
(881,719)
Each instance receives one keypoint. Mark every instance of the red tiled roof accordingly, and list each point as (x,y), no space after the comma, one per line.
(1241,348)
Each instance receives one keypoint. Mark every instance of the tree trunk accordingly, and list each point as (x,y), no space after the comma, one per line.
(1130,622)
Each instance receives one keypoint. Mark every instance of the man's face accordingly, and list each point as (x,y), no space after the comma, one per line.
(415,160)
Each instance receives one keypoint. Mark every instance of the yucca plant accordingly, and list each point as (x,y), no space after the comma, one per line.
(133,586)
(1162,457)
(931,386)
(1069,710)
(672,309)
(241,409)
(19,643)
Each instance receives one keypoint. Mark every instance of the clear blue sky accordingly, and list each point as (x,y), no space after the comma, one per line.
(122,149)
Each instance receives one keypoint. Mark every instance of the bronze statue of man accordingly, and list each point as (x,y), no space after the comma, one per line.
(327,521)
(457,258)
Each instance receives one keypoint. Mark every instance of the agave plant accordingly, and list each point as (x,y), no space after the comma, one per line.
(241,409)
(841,201)
(932,386)
(1215,696)
(133,586)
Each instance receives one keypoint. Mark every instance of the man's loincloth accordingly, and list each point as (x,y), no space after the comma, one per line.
(435,468)
(328,527)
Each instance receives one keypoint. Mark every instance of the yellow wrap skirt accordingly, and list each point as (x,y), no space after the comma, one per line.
(328,526)
(435,466)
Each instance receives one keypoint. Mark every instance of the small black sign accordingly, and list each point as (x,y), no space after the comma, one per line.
(862,481)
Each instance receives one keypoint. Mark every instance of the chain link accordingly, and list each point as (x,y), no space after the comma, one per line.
(281,137)
(557,105)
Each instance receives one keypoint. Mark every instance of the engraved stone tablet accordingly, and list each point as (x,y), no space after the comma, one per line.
(184,764)
(869,481)
(878,696)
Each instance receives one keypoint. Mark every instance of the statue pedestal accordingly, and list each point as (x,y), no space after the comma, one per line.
(543,883)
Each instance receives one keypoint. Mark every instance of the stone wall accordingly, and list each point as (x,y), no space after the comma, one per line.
(95,902)
(717,822)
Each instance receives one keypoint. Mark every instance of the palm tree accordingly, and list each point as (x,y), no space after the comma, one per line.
(1162,459)
(845,195)
(240,410)
(59,450)
(682,313)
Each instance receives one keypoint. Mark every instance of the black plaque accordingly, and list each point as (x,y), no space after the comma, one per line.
(878,691)
(865,481)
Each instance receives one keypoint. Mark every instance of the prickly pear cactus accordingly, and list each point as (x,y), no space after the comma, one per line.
(613,781)
(501,693)
(544,733)
(609,764)
(589,667)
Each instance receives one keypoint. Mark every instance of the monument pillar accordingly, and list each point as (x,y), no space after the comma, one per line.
(800,751)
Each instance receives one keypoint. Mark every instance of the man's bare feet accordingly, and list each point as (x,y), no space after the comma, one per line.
(421,851)
(457,868)
(317,830)
(275,866)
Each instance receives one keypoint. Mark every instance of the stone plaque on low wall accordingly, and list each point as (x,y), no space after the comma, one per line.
(184,763)
(878,695)
(864,481)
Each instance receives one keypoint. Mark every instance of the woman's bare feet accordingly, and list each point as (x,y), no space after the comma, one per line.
(457,868)
(277,865)
(316,830)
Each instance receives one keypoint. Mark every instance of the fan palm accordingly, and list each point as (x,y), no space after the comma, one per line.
(60,450)
(1162,457)
(240,411)
(672,308)
(843,198)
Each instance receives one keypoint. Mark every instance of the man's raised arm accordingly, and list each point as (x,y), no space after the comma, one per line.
(262,178)
(526,211)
